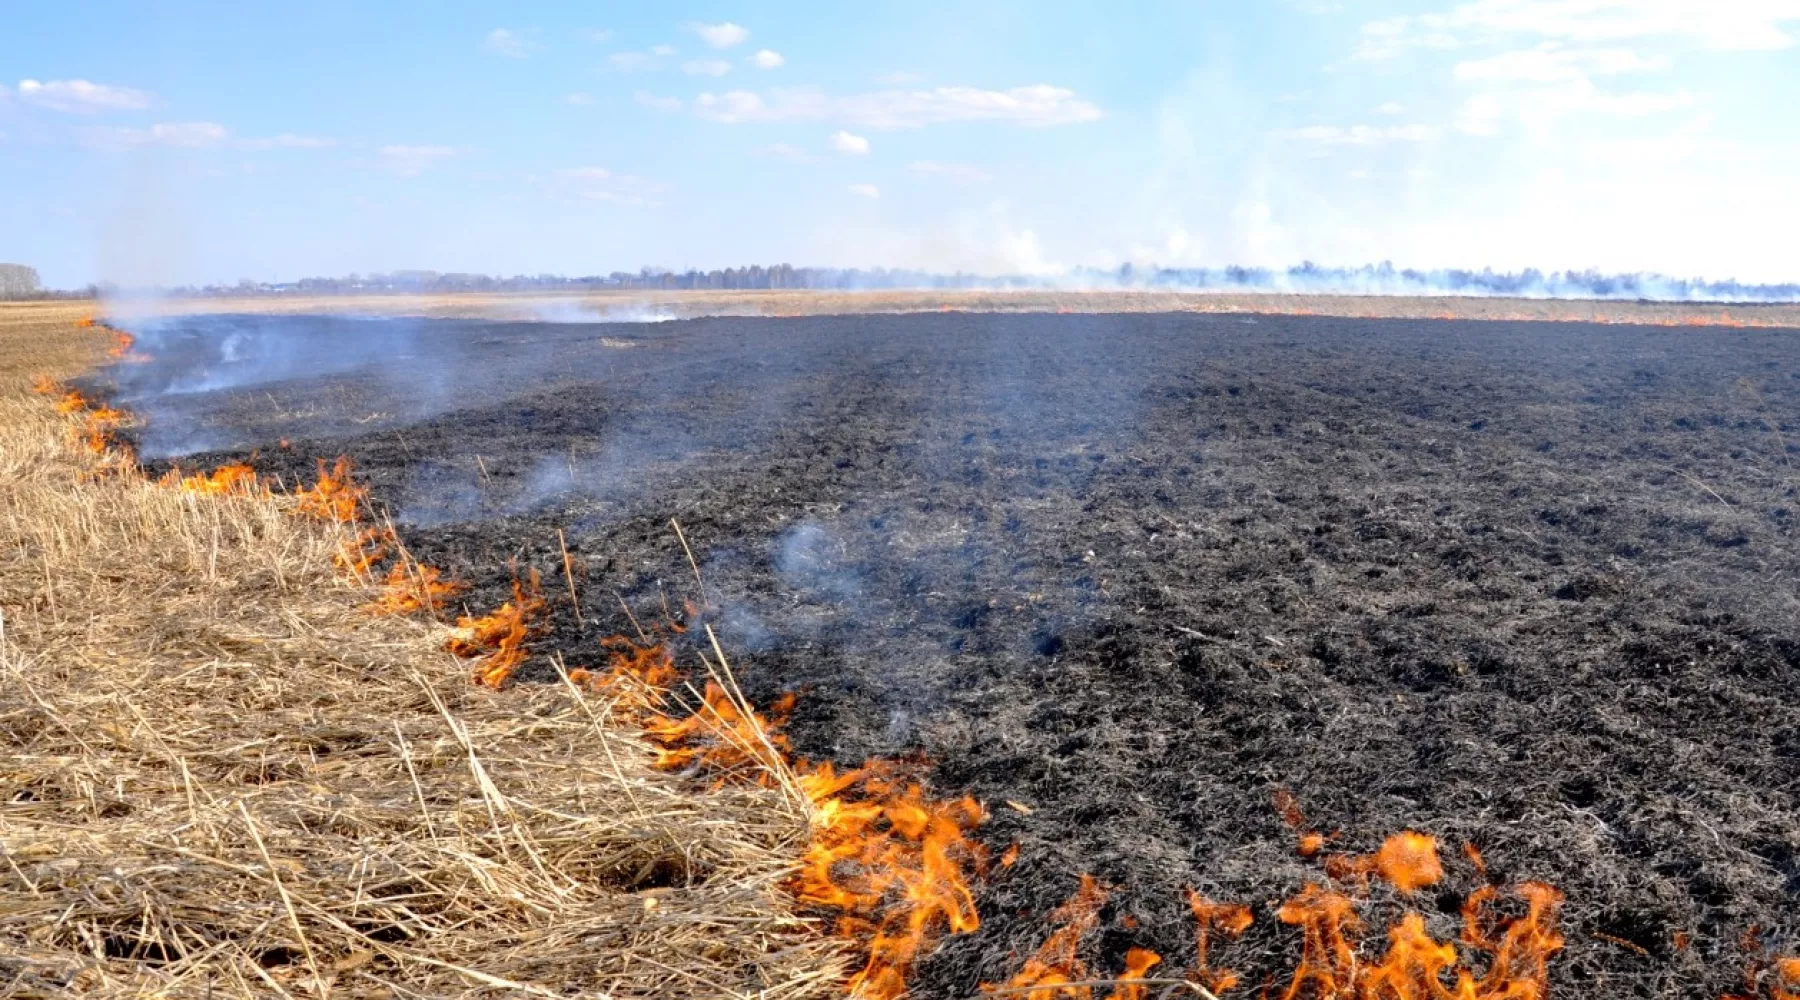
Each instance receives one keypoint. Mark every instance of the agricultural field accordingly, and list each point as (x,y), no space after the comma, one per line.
(1188,600)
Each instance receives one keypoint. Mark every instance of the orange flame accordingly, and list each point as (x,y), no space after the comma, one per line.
(1056,964)
(1229,919)
(1138,961)
(85,322)
(236,478)
(723,735)
(496,641)
(1408,860)
(890,859)
(639,675)
(414,587)
(44,385)
(334,497)
(894,861)
(358,554)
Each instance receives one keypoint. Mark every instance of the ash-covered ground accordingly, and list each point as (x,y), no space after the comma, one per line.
(1531,586)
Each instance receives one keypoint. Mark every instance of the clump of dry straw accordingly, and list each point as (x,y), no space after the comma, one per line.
(218,778)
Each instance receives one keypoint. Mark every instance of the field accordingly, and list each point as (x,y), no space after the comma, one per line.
(1133,579)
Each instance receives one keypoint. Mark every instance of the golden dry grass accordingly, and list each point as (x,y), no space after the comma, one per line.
(682,304)
(217,777)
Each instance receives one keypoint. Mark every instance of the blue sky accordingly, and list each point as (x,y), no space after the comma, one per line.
(206,142)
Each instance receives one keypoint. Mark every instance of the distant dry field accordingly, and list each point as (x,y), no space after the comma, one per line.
(633,304)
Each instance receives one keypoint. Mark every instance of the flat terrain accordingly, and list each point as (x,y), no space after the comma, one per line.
(1528,585)
(626,305)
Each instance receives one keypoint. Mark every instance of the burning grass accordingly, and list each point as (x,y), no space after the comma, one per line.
(221,780)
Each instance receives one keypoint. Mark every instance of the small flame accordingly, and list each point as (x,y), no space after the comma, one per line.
(496,641)
(44,385)
(893,861)
(236,478)
(1056,964)
(334,497)
(358,554)
(411,587)
(1229,919)
(1408,860)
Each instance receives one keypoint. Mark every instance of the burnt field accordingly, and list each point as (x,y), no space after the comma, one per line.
(1530,586)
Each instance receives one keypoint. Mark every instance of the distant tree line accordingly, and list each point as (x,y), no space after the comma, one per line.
(19,282)
(1372,279)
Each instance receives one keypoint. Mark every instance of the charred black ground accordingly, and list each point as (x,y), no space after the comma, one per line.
(1531,586)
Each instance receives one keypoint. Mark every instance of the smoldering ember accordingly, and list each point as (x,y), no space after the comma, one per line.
(1208,612)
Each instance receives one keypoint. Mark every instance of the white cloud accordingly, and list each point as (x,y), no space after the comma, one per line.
(706,67)
(409,161)
(1728,25)
(508,43)
(286,140)
(601,184)
(1359,135)
(1391,108)
(598,34)
(865,190)
(648,100)
(632,62)
(1551,63)
(662,50)
(853,145)
(767,59)
(179,135)
(899,78)
(956,173)
(81,96)
(721,36)
(893,109)
(578,99)
(1538,107)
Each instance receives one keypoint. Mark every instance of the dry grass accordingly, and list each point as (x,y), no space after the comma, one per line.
(216,777)
(682,304)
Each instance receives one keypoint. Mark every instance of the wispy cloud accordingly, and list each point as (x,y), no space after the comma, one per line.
(663,51)
(601,184)
(1739,25)
(1550,62)
(852,145)
(956,173)
(81,97)
(720,36)
(865,190)
(1359,135)
(706,67)
(1538,107)
(895,109)
(285,140)
(899,78)
(578,99)
(598,34)
(656,103)
(410,161)
(509,43)
(767,59)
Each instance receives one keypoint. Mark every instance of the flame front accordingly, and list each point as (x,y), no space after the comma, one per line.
(413,588)
(496,641)
(335,497)
(893,862)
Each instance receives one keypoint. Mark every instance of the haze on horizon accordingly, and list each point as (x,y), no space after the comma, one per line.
(206,142)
